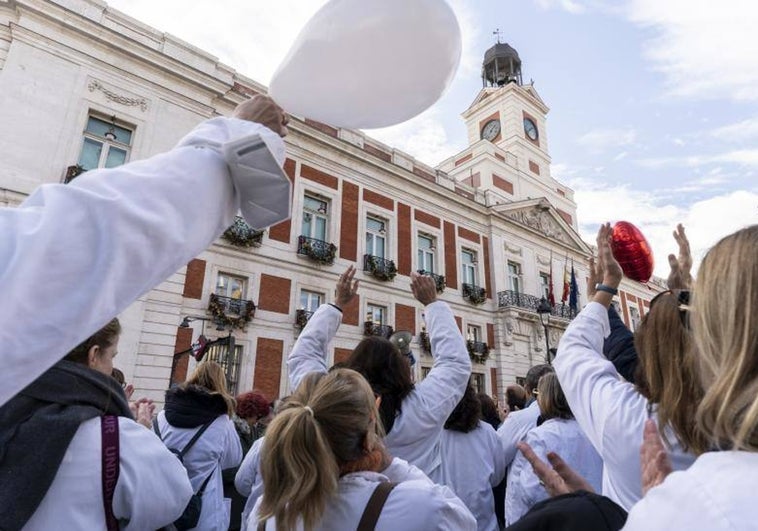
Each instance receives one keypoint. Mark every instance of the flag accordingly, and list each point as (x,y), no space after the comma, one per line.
(574,297)
(565,294)
(199,348)
(550,295)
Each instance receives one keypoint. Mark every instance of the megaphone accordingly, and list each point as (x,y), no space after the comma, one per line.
(402,340)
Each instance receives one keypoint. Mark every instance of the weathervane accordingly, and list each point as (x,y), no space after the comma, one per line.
(497,32)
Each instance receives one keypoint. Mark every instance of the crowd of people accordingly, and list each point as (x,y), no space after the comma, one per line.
(644,430)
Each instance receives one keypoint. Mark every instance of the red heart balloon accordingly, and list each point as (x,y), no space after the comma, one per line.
(632,251)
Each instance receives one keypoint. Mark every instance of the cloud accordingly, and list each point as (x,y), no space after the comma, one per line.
(571,6)
(702,48)
(737,132)
(603,139)
(744,157)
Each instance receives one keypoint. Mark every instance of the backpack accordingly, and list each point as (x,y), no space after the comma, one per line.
(191,515)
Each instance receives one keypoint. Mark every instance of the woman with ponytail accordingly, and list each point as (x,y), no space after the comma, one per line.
(323,459)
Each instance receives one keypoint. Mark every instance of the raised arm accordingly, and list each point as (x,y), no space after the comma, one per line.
(309,353)
(92,247)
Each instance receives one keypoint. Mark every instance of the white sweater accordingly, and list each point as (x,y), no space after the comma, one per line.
(415,435)
(609,410)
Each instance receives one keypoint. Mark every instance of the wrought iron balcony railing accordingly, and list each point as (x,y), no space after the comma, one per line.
(474,294)
(507,299)
(424,341)
(371,328)
(240,234)
(72,172)
(478,351)
(439,280)
(317,250)
(301,317)
(380,268)
(232,313)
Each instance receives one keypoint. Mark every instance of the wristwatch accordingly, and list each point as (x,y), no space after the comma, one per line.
(607,289)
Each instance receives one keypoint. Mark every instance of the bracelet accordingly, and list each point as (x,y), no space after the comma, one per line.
(606,288)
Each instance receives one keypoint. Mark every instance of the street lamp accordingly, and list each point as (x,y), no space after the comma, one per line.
(188,319)
(544,309)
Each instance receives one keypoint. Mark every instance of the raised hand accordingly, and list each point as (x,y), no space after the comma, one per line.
(347,288)
(263,110)
(680,276)
(557,477)
(607,265)
(424,288)
(654,460)
(595,278)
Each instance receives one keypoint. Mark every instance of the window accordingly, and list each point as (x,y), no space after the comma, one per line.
(376,237)
(105,144)
(468,266)
(310,300)
(477,382)
(425,372)
(230,286)
(474,333)
(521,380)
(514,276)
(634,317)
(230,361)
(376,314)
(315,218)
(426,251)
(545,285)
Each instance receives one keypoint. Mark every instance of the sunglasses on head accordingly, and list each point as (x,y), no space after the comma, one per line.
(682,297)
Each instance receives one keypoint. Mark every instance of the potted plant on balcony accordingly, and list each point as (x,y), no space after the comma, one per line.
(218,311)
(321,254)
(477,351)
(381,269)
(240,234)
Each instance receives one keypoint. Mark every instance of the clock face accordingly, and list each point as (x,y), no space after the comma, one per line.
(490,130)
(530,128)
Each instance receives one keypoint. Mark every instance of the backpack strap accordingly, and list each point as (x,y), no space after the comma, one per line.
(111,466)
(205,483)
(193,440)
(374,506)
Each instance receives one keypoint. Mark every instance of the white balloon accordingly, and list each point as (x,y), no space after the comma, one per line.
(364,64)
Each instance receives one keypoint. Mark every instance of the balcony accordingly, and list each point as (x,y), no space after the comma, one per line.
(514,299)
(232,313)
(474,294)
(302,317)
(379,268)
(424,341)
(72,172)
(439,280)
(371,328)
(478,351)
(317,250)
(240,234)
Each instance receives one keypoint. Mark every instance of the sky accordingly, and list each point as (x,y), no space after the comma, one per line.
(653,103)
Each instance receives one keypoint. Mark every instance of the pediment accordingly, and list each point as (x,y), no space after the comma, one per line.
(540,216)
(483,94)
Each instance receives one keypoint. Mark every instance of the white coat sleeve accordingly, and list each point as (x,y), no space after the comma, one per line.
(497,447)
(309,353)
(598,398)
(231,455)
(445,384)
(153,487)
(74,256)
(248,470)
(531,491)
(450,513)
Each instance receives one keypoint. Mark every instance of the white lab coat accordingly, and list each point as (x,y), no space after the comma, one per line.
(90,248)
(416,503)
(515,427)
(152,489)
(248,481)
(716,493)
(415,434)
(216,449)
(473,463)
(563,437)
(609,410)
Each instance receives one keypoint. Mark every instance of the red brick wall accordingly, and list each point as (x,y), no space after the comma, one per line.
(534,167)
(324,128)
(473,180)
(377,152)
(490,335)
(281,231)
(182,343)
(405,318)
(274,294)
(464,159)
(404,239)
(378,199)
(503,184)
(487,270)
(459,322)
(312,174)
(493,380)
(268,366)
(451,262)
(350,312)
(561,192)
(428,219)
(468,235)
(565,215)
(499,157)
(341,354)
(419,172)
(464,193)
(193,281)
(349,225)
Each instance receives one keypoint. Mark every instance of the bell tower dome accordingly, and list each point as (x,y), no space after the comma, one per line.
(501,66)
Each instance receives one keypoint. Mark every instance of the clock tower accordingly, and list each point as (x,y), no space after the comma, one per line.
(507,134)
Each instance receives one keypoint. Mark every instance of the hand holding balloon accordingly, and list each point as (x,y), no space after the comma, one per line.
(608,269)
(263,110)
(632,251)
